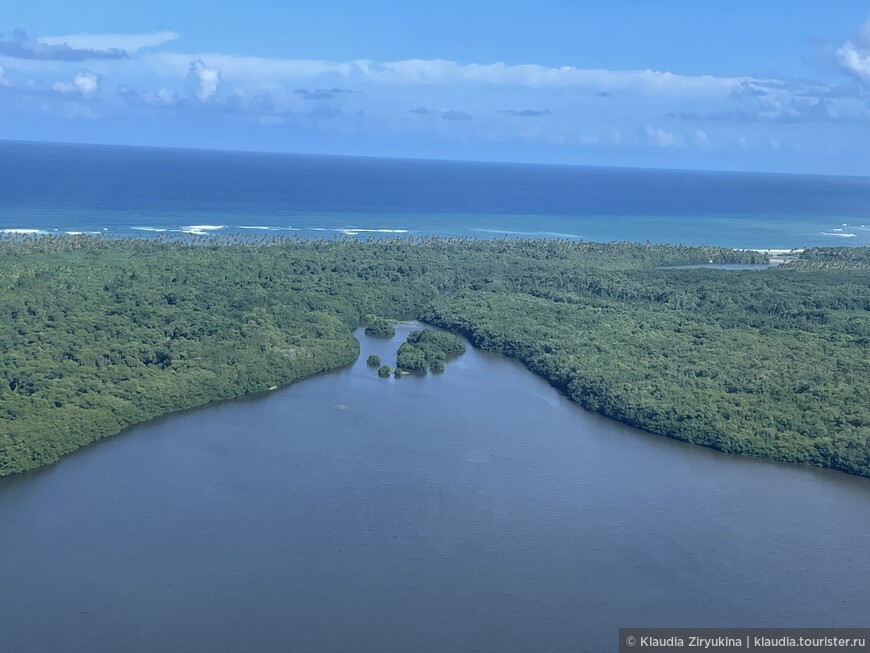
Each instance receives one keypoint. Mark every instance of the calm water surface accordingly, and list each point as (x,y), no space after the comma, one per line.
(476,510)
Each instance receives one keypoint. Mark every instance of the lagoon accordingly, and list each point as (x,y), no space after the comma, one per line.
(477,510)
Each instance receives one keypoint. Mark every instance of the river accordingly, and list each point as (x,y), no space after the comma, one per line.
(477,510)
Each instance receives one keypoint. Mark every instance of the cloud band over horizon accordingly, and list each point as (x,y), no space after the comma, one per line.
(433,101)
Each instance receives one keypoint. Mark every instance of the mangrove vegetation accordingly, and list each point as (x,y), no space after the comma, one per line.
(97,335)
(428,350)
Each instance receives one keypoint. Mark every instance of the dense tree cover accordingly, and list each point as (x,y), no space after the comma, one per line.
(770,364)
(430,340)
(833,258)
(97,335)
(427,349)
(379,327)
(384,371)
(373,360)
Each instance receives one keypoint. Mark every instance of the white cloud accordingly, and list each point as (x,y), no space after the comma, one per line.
(442,72)
(645,108)
(854,55)
(659,137)
(84,84)
(130,43)
(248,69)
(854,60)
(202,82)
(160,98)
(446,72)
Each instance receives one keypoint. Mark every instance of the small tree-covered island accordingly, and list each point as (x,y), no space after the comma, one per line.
(428,350)
(98,335)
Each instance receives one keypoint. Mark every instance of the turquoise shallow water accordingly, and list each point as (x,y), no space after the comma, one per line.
(146,192)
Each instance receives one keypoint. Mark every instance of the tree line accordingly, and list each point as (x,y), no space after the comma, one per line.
(99,334)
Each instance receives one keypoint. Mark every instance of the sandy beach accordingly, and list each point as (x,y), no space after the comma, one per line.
(778,254)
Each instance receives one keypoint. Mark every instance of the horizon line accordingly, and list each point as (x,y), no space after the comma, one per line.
(431,159)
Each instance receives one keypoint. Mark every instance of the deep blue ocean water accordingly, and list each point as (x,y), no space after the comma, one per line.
(146,192)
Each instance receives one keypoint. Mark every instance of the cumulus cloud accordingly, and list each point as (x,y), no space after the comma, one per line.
(441,72)
(83,86)
(855,60)
(129,43)
(21,46)
(454,114)
(201,82)
(525,113)
(645,94)
(659,137)
(854,55)
(233,101)
(160,98)
(499,102)
(748,88)
(84,83)
(237,68)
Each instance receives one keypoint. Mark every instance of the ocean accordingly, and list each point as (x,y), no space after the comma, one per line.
(152,192)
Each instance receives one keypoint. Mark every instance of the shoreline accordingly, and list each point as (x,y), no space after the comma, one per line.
(620,413)
(183,338)
(778,255)
(200,233)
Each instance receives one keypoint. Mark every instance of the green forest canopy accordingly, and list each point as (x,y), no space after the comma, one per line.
(379,327)
(98,335)
(428,349)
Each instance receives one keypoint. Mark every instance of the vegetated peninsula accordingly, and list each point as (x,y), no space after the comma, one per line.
(379,327)
(98,335)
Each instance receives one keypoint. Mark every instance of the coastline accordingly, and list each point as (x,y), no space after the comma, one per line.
(780,255)
(193,325)
(100,434)
(595,400)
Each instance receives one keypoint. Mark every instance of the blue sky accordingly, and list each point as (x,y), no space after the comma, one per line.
(740,84)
